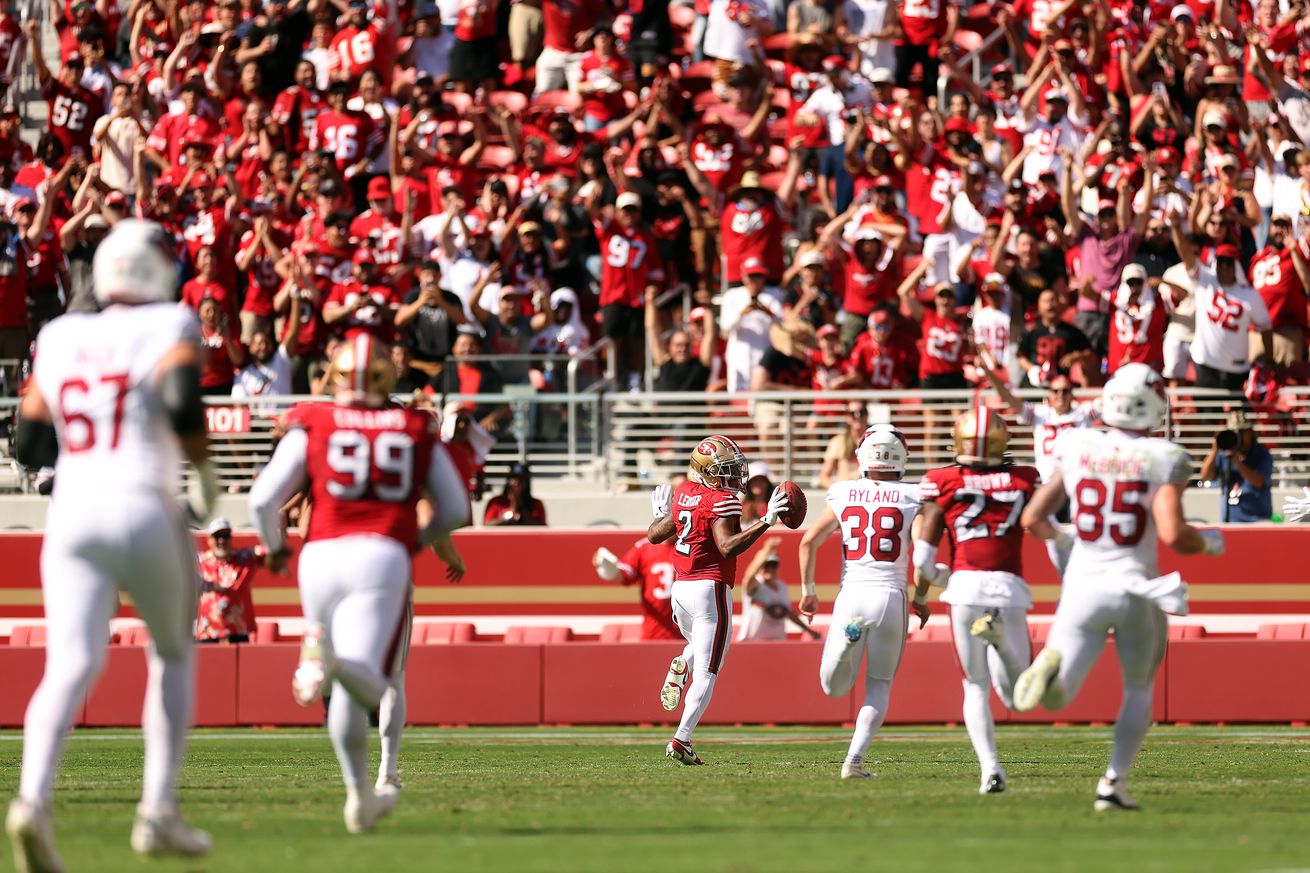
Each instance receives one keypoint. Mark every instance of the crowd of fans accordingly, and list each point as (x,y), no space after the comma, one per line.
(748,195)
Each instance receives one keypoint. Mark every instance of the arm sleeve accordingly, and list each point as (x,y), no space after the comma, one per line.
(284,475)
(449,498)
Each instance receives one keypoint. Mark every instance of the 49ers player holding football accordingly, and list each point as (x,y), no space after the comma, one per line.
(978,502)
(365,465)
(875,514)
(705,514)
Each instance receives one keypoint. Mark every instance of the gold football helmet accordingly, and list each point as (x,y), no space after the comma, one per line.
(717,462)
(980,437)
(361,372)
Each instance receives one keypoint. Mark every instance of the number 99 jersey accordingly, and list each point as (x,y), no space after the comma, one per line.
(1111,478)
(875,518)
(366,468)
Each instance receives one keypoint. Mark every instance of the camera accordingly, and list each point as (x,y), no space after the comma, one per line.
(1227,440)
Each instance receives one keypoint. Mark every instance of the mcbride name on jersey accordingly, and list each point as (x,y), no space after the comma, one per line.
(982,509)
(875,518)
(1111,478)
(696,555)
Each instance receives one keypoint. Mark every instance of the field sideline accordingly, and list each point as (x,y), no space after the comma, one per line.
(604,799)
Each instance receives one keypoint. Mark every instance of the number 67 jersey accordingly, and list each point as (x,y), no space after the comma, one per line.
(875,517)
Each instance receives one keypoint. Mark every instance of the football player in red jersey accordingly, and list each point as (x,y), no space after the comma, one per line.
(365,465)
(704,514)
(651,564)
(978,501)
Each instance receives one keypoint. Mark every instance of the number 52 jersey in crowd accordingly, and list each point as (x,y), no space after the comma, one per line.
(1111,478)
(875,518)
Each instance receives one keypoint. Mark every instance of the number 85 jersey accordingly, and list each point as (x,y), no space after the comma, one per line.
(875,518)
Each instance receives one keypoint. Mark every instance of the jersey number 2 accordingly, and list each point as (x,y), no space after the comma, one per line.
(876,535)
(352,455)
(683,527)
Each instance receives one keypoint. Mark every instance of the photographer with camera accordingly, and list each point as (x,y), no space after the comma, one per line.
(1242,467)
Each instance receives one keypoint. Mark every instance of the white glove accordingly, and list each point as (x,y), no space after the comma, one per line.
(202,492)
(936,574)
(1214,542)
(777,506)
(606,564)
(1297,508)
(660,499)
(1059,549)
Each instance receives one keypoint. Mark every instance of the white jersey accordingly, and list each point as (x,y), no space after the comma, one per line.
(1047,424)
(97,373)
(875,518)
(757,623)
(1224,316)
(1111,478)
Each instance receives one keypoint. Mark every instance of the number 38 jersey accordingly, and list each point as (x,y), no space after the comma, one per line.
(696,555)
(875,518)
(1111,478)
(98,372)
(366,468)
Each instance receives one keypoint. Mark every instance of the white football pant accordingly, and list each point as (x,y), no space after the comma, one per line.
(703,612)
(985,665)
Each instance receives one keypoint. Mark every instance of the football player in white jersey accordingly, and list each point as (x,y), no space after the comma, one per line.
(869,618)
(122,390)
(1126,491)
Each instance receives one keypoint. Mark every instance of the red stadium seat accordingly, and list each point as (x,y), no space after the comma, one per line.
(555,99)
(1281,632)
(536,636)
(458,101)
(495,157)
(27,635)
(620,633)
(511,100)
(137,635)
(266,631)
(437,633)
(777,45)
(1040,632)
(1186,632)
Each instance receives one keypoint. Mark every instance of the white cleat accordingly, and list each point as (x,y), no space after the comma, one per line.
(311,673)
(1113,794)
(167,834)
(856,771)
(388,785)
(32,833)
(993,783)
(364,811)
(674,682)
(682,752)
(987,627)
(1033,683)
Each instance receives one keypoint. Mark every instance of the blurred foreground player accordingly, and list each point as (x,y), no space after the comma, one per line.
(978,503)
(365,465)
(704,514)
(869,617)
(122,389)
(1125,488)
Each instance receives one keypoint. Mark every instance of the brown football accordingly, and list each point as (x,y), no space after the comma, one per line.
(794,517)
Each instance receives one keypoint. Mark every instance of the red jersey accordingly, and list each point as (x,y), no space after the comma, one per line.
(381,234)
(881,366)
(1274,275)
(866,288)
(1137,332)
(348,135)
(172,132)
(801,84)
(652,565)
(446,172)
(982,509)
(928,187)
(631,263)
(262,280)
(72,113)
(366,468)
(216,368)
(194,290)
(13,289)
(211,229)
(696,555)
(226,606)
(563,20)
(609,104)
(362,49)
(923,21)
(720,166)
(295,110)
(476,20)
(369,319)
(943,342)
(752,234)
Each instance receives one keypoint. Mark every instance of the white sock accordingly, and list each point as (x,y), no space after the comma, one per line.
(348,727)
(978,722)
(1130,730)
(165,719)
(694,703)
(391,721)
(877,693)
(49,716)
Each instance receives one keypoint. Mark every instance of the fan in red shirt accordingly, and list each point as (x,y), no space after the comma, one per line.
(350,136)
(631,270)
(1281,273)
(650,564)
(751,228)
(452,165)
(515,505)
(209,226)
(876,358)
(377,228)
(941,362)
(718,152)
(221,353)
(296,108)
(71,109)
(606,75)
(204,285)
(226,611)
(361,305)
(1137,322)
(925,24)
(363,45)
(171,134)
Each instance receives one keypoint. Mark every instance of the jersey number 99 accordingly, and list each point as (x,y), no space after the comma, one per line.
(351,455)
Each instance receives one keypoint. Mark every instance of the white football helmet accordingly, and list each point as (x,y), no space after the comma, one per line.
(1134,398)
(134,264)
(882,451)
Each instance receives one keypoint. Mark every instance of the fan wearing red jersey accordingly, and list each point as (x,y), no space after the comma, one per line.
(704,514)
(978,502)
(365,465)
(652,566)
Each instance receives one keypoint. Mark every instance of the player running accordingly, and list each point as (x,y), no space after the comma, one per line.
(705,515)
(122,389)
(869,617)
(365,465)
(1125,488)
(979,502)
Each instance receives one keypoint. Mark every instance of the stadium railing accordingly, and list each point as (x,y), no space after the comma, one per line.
(630,440)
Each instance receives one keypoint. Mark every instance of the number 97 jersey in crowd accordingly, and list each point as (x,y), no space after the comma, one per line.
(1111,478)
(875,518)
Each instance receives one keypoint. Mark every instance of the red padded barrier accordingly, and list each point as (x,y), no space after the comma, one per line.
(137,635)
(22,667)
(927,687)
(263,694)
(1239,680)
(1101,694)
(1186,632)
(600,683)
(116,698)
(763,682)
(477,683)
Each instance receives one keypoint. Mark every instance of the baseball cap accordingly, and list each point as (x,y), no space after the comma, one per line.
(1227,159)
(115,198)
(1002,70)
(1166,155)
(95,221)
(22,203)
(448,128)
(696,314)
(379,188)
(201,180)
(1018,185)
(881,76)
(1214,118)
(1134,272)
(993,280)
(956,124)
(883,182)
(528,227)
(828,330)
(812,258)
(1182,10)
(218,525)
(1062,45)
(1056,94)
(833,63)
(628,199)
(363,255)
(976,168)
(1239,420)
(1106,203)
(1227,250)
(754,267)
(867,233)
(879,317)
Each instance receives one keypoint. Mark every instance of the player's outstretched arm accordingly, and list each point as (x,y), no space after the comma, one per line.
(1045,503)
(1175,532)
(450,500)
(822,528)
(284,476)
(732,542)
(34,435)
(663,526)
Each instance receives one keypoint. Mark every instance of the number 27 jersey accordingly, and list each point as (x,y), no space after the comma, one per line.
(982,510)
(875,518)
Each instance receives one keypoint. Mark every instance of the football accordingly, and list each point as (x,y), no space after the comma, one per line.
(794,517)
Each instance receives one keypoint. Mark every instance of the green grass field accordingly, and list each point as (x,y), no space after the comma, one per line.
(769,799)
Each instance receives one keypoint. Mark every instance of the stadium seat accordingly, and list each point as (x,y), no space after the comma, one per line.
(1039,632)
(266,631)
(137,635)
(27,635)
(536,636)
(1281,632)
(620,633)
(1186,632)
(556,99)
(511,100)
(495,157)
(431,633)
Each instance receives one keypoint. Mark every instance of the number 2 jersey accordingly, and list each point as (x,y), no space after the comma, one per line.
(982,508)
(696,555)
(99,375)
(875,517)
(1111,478)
